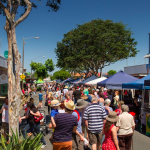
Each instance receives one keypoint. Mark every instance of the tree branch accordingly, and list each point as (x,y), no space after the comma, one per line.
(25,15)
(6,11)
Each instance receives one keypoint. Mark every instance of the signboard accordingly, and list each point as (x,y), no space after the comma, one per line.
(3,79)
(148,124)
(22,76)
(6,54)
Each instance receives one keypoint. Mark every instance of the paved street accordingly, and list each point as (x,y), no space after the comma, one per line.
(140,141)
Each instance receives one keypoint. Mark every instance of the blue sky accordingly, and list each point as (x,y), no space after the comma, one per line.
(50,27)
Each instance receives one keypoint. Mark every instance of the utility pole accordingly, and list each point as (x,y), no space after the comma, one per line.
(0,45)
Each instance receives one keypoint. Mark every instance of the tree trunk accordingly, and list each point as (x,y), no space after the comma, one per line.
(100,72)
(14,91)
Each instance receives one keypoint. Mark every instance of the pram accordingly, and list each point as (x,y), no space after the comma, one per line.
(43,127)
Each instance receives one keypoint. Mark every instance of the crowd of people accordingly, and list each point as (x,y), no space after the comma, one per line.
(80,117)
(83,116)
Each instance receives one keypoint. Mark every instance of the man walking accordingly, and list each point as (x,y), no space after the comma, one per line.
(76,94)
(77,141)
(94,119)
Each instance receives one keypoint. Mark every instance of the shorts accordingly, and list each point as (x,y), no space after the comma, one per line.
(94,138)
(5,129)
(62,145)
(77,143)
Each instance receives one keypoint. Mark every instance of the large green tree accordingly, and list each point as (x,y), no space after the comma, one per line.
(61,74)
(41,70)
(9,9)
(94,45)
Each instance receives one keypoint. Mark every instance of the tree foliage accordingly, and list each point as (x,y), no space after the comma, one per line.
(94,45)
(49,65)
(61,74)
(41,70)
(111,72)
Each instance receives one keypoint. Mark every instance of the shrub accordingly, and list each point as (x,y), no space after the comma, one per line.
(19,143)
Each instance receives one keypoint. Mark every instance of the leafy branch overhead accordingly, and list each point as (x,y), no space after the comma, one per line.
(94,45)
(41,70)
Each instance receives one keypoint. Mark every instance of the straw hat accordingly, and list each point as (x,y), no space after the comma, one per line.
(112,117)
(81,103)
(55,103)
(66,87)
(84,97)
(69,105)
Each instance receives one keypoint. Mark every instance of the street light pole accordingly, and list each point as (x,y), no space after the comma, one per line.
(23,60)
(23,54)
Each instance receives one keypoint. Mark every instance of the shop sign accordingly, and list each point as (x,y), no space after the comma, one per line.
(6,54)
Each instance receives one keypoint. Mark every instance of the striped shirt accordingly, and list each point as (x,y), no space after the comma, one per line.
(64,126)
(95,114)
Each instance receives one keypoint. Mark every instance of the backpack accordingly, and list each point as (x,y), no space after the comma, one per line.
(77,114)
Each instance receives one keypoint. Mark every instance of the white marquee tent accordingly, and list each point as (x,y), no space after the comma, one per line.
(95,81)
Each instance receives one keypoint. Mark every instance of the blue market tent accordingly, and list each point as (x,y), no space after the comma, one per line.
(87,80)
(139,84)
(77,81)
(115,81)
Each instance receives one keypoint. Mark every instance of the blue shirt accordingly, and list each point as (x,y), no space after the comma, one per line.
(89,98)
(107,110)
(79,127)
(54,112)
(40,96)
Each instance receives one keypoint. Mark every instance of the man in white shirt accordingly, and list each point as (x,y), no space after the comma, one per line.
(5,121)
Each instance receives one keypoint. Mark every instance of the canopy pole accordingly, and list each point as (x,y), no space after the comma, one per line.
(121,95)
(143,97)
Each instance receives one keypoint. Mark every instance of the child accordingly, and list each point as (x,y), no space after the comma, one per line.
(54,104)
(119,111)
(40,98)
(5,121)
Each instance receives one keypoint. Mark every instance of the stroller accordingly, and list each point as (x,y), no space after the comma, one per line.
(43,127)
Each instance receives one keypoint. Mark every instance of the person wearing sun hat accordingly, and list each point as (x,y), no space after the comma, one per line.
(110,132)
(54,105)
(77,142)
(65,124)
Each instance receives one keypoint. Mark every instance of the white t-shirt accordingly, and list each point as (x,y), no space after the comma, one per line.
(5,113)
(65,91)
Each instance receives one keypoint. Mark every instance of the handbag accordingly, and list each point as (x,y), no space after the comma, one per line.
(46,103)
(37,119)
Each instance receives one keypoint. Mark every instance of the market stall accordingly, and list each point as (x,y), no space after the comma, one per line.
(95,81)
(87,80)
(139,85)
(77,81)
(116,81)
